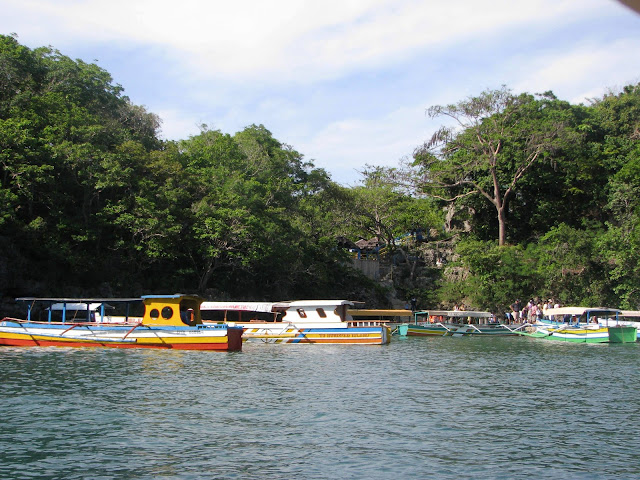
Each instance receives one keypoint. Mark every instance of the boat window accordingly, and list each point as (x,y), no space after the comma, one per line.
(167,312)
(321,312)
(154,313)
(186,315)
(301,312)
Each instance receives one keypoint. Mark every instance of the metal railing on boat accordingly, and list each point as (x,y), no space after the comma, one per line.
(367,323)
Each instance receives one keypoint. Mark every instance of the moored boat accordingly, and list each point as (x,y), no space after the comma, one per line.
(455,323)
(582,325)
(303,321)
(631,318)
(168,321)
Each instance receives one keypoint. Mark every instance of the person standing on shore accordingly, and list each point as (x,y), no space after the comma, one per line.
(516,307)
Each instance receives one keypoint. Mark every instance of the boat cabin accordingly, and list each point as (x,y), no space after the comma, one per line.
(172,310)
(318,311)
(299,311)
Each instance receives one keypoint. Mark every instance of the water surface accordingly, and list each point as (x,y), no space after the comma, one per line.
(446,408)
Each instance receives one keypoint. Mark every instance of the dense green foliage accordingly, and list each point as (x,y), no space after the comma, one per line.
(93,202)
(570,215)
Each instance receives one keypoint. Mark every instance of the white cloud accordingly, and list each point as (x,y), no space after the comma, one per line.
(345,82)
(178,124)
(584,72)
(288,39)
(347,145)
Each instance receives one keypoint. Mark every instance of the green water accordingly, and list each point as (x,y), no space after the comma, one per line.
(417,408)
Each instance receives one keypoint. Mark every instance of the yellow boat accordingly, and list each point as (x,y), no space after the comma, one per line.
(168,321)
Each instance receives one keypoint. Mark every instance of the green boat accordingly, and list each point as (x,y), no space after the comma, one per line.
(455,323)
(581,325)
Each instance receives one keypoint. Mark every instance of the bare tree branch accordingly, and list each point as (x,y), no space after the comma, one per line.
(497,139)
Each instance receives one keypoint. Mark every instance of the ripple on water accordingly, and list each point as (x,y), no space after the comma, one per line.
(418,408)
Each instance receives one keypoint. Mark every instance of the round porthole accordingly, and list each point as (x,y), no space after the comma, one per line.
(167,312)
(154,313)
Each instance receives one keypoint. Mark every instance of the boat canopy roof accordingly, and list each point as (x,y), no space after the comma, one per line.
(273,306)
(78,306)
(245,306)
(579,311)
(357,312)
(174,296)
(456,313)
(318,303)
(76,300)
(56,303)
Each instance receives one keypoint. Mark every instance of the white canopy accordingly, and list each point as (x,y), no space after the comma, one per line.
(244,306)
(456,313)
(579,311)
(76,306)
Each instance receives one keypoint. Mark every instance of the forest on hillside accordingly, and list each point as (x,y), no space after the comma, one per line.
(516,196)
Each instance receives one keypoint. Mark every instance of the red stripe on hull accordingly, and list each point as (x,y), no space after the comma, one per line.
(181,346)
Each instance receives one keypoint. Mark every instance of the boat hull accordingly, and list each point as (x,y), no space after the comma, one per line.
(623,334)
(352,335)
(442,330)
(121,336)
(573,335)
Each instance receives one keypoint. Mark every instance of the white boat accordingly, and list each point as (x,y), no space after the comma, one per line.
(303,321)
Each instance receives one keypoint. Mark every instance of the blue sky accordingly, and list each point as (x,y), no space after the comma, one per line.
(344,82)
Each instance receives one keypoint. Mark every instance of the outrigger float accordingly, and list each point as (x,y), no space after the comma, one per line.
(455,323)
(583,325)
(168,321)
(305,321)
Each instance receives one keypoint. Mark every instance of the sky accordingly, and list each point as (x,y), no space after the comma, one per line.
(345,82)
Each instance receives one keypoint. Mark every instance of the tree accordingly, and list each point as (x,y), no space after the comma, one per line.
(66,133)
(619,119)
(91,197)
(381,208)
(569,266)
(495,140)
(490,276)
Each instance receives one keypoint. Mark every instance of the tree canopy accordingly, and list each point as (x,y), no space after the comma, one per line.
(495,140)
(92,201)
(561,177)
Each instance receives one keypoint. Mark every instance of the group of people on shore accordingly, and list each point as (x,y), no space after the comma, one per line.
(529,312)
